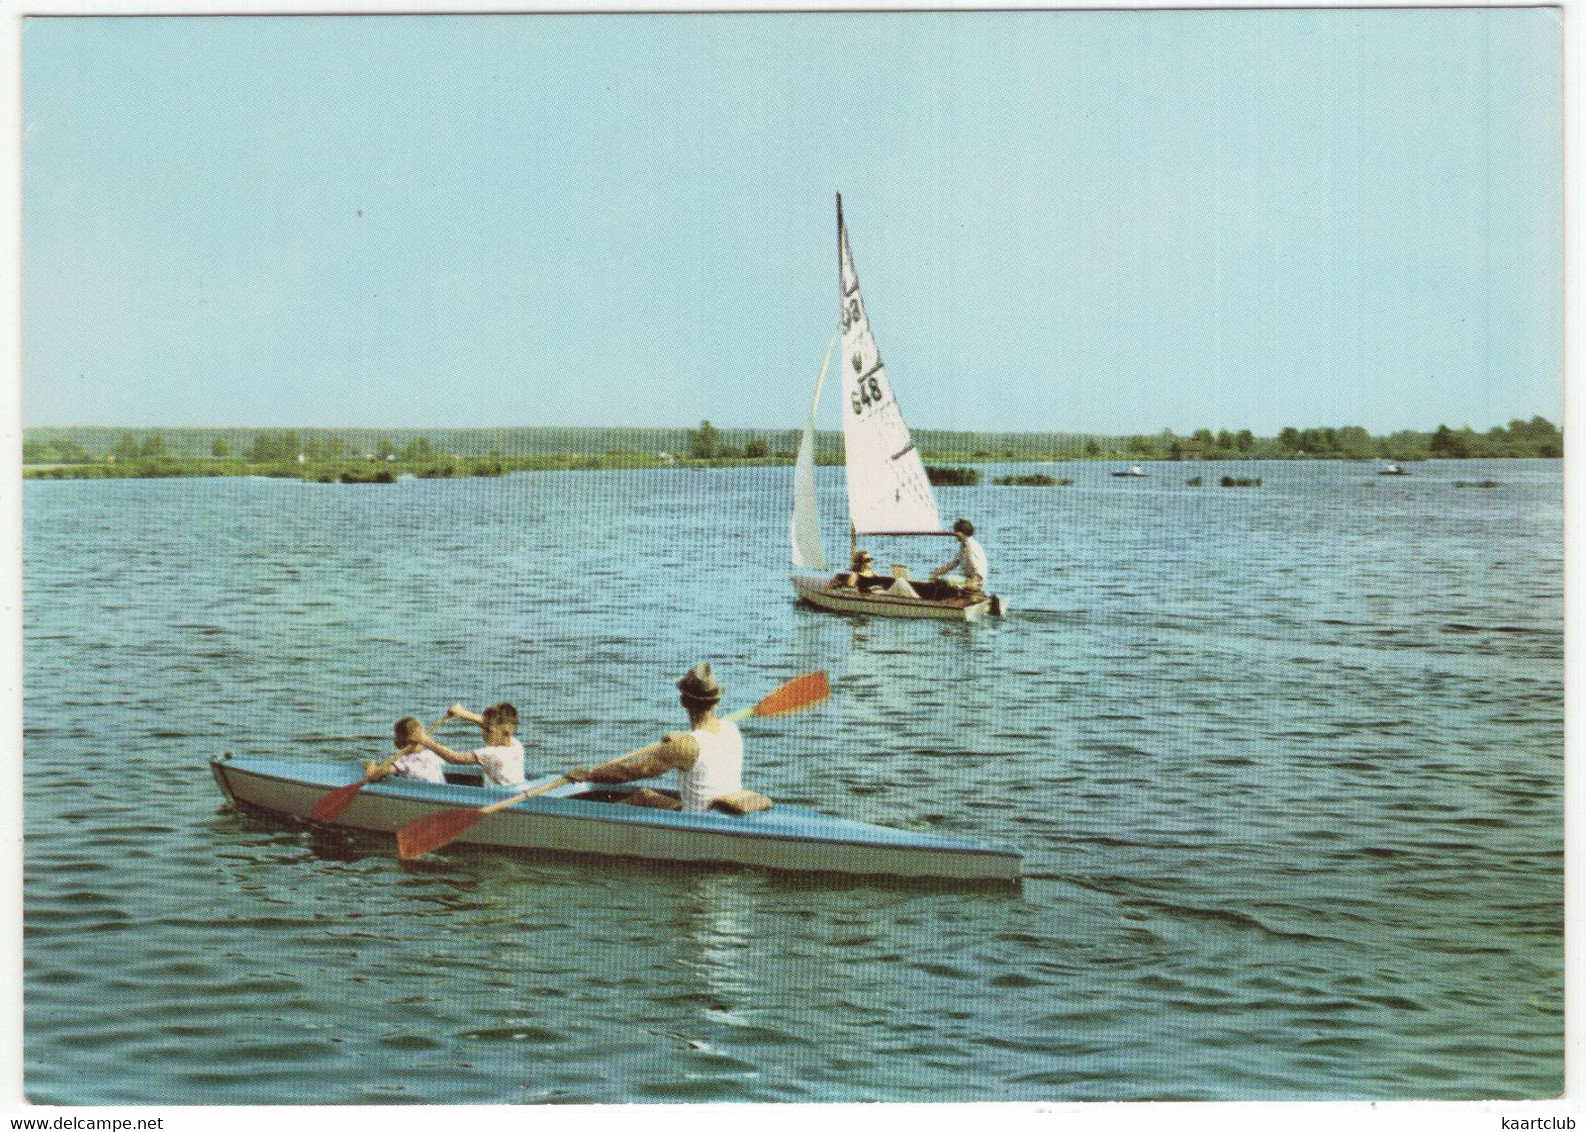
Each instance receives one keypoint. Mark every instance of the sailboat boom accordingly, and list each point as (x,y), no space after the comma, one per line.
(906,534)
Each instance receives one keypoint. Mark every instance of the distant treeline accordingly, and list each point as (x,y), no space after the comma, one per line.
(336,453)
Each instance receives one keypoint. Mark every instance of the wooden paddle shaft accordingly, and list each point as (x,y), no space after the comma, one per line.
(516,798)
(553,784)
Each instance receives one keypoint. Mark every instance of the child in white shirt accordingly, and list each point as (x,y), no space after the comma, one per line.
(501,757)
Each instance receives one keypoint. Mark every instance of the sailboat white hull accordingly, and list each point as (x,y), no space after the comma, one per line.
(812,588)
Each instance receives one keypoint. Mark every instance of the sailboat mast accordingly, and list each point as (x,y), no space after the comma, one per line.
(840,245)
(842,302)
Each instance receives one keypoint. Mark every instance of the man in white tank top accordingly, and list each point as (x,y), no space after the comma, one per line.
(708,757)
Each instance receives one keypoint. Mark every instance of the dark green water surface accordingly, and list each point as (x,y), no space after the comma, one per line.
(1286,764)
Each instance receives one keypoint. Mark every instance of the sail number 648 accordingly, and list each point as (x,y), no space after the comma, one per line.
(868,393)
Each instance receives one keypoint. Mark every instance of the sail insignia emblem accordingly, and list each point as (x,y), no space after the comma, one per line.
(859,363)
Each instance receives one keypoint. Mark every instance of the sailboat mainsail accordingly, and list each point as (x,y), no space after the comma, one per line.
(887,486)
(804,528)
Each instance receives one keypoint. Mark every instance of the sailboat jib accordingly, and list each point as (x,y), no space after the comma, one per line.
(887,486)
(804,528)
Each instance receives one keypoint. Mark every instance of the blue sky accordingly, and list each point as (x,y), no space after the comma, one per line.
(1080,221)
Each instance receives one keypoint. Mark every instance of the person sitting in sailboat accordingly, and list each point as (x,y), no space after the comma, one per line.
(970,560)
(861,575)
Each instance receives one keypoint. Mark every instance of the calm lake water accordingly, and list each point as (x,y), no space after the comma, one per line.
(1286,763)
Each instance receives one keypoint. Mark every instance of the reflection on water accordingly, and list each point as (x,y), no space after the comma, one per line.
(713,924)
(1285,763)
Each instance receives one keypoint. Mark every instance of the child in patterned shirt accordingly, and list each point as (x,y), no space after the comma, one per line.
(413,761)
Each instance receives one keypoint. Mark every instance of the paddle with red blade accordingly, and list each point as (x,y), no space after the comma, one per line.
(434,831)
(330,807)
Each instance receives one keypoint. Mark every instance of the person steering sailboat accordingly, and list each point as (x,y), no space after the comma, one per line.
(970,560)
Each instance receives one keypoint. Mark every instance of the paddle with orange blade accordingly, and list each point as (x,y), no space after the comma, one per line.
(437,830)
(330,807)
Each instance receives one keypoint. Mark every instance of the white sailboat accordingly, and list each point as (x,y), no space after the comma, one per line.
(888,491)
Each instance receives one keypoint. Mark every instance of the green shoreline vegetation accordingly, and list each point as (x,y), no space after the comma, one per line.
(1036,480)
(382,455)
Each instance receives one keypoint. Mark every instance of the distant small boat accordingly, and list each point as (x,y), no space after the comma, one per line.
(584,819)
(1392,470)
(1134,470)
(889,493)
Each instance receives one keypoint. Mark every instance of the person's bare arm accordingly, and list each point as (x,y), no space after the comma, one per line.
(958,560)
(677,751)
(460,758)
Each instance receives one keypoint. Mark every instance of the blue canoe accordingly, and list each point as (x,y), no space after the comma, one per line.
(580,818)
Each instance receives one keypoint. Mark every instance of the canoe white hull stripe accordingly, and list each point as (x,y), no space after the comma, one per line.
(813,590)
(784,837)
